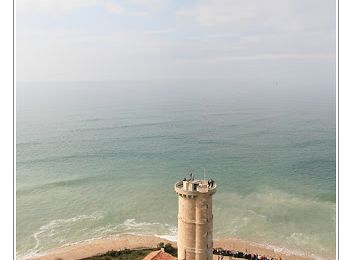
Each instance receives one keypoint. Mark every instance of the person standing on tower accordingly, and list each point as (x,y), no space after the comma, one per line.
(191,176)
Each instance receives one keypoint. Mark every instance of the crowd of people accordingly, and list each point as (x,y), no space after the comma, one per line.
(221,253)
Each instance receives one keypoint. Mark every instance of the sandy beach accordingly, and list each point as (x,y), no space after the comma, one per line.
(98,246)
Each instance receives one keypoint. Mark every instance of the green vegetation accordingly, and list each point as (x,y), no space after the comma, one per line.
(170,249)
(126,254)
(133,254)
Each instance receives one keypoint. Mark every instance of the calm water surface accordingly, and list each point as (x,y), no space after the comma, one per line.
(101,158)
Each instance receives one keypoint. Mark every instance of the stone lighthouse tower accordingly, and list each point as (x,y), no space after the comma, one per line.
(195,219)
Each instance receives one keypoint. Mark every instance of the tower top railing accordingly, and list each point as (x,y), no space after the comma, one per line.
(193,187)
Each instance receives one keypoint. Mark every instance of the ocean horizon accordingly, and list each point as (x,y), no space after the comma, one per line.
(101,158)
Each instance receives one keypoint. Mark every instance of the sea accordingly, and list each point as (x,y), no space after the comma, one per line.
(101,158)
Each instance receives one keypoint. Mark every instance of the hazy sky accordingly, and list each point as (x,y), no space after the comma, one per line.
(290,40)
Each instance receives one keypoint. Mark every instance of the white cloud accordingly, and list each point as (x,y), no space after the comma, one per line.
(260,15)
(221,12)
(212,39)
(161,31)
(270,29)
(280,56)
(47,6)
(133,55)
(154,4)
(112,7)
(62,7)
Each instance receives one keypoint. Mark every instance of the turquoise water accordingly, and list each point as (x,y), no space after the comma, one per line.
(101,158)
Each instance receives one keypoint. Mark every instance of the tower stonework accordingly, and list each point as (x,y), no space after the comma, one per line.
(195,219)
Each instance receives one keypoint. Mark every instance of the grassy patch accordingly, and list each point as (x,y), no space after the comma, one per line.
(133,254)
(126,254)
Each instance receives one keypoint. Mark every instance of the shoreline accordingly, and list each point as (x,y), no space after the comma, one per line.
(96,246)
